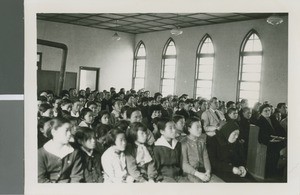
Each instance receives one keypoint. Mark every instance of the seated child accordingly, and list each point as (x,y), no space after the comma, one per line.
(113,159)
(179,121)
(86,116)
(58,162)
(167,153)
(141,167)
(91,159)
(195,161)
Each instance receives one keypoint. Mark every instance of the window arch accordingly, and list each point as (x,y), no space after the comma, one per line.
(249,78)
(168,71)
(139,65)
(204,68)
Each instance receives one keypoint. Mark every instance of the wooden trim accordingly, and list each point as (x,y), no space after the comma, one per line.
(93,69)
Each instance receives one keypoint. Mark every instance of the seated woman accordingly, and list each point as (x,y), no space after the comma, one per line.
(226,155)
(271,134)
(58,162)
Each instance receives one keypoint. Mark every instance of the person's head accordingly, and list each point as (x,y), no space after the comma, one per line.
(134,115)
(82,99)
(183,97)
(230,131)
(102,131)
(116,138)
(164,103)
(117,104)
(73,92)
(147,94)
(46,110)
(87,115)
(179,122)
(157,97)
(137,133)
(196,104)
(244,103)
(57,103)
(88,90)
(174,103)
(59,130)
(130,99)
(257,106)
(43,124)
(230,104)
(104,117)
(203,105)
(124,112)
(277,114)
(214,103)
(92,106)
(107,95)
(144,101)
(232,113)
(166,128)
(66,105)
(112,90)
(247,112)
(282,108)
(193,126)
(265,110)
(181,104)
(155,111)
(76,106)
(122,124)
(41,100)
(151,101)
(85,137)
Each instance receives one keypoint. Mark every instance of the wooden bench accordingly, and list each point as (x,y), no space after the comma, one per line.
(256,159)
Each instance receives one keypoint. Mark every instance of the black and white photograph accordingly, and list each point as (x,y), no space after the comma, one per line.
(158,98)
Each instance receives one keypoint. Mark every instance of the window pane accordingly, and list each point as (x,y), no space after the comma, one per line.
(207,46)
(141,62)
(251,76)
(171,61)
(167,87)
(205,68)
(141,51)
(207,76)
(171,50)
(257,45)
(250,86)
(252,68)
(207,60)
(253,43)
(204,92)
(205,84)
(252,59)
(249,94)
(138,83)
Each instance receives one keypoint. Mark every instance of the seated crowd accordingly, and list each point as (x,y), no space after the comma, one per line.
(123,137)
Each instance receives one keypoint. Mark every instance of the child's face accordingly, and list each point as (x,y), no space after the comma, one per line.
(89,117)
(195,129)
(233,115)
(120,142)
(118,106)
(247,114)
(141,136)
(89,144)
(93,107)
(136,116)
(67,107)
(169,132)
(39,102)
(156,113)
(62,134)
(180,124)
(76,107)
(104,119)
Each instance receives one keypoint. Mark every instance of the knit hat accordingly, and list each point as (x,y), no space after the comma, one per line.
(228,128)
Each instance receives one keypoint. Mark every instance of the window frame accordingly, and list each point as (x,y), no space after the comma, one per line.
(197,66)
(243,53)
(164,57)
(135,60)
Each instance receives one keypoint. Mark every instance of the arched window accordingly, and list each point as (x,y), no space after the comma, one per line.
(168,71)
(138,76)
(204,68)
(250,68)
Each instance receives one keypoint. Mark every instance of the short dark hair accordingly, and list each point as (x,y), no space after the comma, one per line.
(83,134)
(122,124)
(44,107)
(177,117)
(202,101)
(229,103)
(112,136)
(131,110)
(55,124)
(262,107)
(102,113)
(83,112)
(89,103)
(133,129)
(231,110)
(279,105)
(189,123)
(161,124)
(156,95)
(102,130)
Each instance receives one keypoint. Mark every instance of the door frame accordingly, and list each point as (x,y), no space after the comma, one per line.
(93,69)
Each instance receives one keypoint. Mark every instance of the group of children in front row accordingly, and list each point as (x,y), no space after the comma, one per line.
(130,152)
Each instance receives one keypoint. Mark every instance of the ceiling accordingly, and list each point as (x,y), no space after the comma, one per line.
(137,23)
